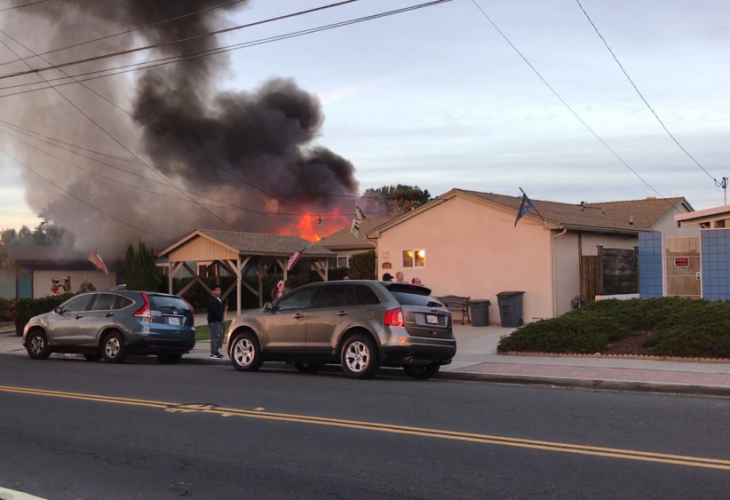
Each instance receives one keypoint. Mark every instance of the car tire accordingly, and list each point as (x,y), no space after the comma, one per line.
(168,358)
(37,345)
(360,357)
(245,352)
(113,348)
(308,367)
(422,372)
(92,357)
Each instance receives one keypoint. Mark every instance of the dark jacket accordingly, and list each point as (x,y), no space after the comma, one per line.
(215,310)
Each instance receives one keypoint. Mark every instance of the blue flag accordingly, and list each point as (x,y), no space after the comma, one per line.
(525,206)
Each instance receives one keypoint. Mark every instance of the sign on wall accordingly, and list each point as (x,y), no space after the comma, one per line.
(681,262)
(387,265)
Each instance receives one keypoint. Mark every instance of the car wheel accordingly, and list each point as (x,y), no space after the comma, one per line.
(359,357)
(422,372)
(169,359)
(92,357)
(37,345)
(246,353)
(113,348)
(308,367)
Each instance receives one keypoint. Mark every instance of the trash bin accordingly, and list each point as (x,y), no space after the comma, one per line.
(510,308)
(480,312)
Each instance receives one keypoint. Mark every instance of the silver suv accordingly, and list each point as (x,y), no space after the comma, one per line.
(112,325)
(358,324)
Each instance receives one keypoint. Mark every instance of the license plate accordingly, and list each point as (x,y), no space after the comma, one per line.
(174,321)
(432,319)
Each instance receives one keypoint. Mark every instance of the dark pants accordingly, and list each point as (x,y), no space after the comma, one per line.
(216,336)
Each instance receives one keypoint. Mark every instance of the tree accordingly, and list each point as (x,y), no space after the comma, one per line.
(362,266)
(141,272)
(45,234)
(395,200)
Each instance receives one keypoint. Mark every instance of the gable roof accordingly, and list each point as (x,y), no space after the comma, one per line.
(256,243)
(345,240)
(609,216)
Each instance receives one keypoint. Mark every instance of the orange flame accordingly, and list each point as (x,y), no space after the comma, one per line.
(308,228)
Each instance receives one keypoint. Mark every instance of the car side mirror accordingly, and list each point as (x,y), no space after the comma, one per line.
(58,310)
(269,307)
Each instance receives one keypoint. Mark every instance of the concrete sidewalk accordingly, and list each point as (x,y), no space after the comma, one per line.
(477,360)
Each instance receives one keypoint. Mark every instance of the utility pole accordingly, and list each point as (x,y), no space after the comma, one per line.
(723,185)
(321,228)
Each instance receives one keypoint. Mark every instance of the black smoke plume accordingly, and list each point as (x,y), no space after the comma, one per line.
(230,140)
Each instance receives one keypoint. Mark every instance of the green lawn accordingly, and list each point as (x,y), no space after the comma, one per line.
(202,332)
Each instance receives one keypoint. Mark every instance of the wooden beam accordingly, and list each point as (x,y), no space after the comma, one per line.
(197,278)
(239,278)
(186,288)
(321,270)
(283,263)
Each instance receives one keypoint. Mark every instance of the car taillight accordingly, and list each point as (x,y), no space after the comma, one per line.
(144,312)
(394,317)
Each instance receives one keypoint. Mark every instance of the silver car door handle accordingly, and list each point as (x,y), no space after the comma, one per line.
(109,315)
(78,316)
(343,313)
(298,316)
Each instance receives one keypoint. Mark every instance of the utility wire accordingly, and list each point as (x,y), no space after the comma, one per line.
(274,215)
(208,52)
(24,5)
(80,200)
(568,106)
(88,117)
(132,30)
(642,95)
(179,40)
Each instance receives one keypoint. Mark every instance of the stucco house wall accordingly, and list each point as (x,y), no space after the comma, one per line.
(474,250)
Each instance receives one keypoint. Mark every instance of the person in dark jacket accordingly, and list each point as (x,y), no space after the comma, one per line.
(215,322)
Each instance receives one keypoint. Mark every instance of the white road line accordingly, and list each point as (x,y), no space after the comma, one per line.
(16,495)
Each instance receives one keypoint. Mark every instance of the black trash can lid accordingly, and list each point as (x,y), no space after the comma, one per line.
(481,301)
(509,294)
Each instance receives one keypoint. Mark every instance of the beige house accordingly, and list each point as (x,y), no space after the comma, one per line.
(345,244)
(465,243)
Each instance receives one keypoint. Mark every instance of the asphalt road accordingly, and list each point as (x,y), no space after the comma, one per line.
(274,435)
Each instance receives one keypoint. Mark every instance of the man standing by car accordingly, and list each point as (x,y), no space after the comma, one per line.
(215,322)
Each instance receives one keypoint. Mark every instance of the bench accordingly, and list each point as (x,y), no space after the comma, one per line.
(458,304)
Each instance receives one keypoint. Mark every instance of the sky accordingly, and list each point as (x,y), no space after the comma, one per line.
(437,98)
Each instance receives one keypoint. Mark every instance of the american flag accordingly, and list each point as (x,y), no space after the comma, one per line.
(96,259)
(293,261)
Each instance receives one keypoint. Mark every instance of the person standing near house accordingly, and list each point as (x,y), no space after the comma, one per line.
(387,277)
(417,281)
(400,277)
(215,322)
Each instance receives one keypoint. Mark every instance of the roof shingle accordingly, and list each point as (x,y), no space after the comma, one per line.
(345,240)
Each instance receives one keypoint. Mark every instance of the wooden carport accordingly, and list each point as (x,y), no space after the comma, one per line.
(239,252)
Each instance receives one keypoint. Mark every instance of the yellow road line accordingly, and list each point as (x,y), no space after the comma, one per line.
(389,428)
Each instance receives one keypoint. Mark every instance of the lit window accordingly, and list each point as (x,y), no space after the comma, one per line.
(414,258)
(343,261)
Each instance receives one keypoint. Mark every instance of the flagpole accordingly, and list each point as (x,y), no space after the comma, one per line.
(533,206)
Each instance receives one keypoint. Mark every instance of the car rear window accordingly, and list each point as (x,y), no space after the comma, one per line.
(104,302)
(167,304)
(413,299)
(364,296)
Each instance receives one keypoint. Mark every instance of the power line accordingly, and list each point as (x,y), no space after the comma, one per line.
(642,95)
(568,106)
(275,215)
(131,30)
(80,200)
(24,5)
(104,130)
(179,40)
(154,63)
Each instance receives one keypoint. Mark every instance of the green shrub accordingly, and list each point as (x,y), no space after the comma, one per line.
(362,266)
(676,327)
(5,314)
(25,309)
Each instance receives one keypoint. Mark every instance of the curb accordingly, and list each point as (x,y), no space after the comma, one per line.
(594,384)
(615,356)
(16,495)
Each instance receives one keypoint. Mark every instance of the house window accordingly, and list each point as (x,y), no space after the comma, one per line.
(164,269)
(414,258)
(343,261)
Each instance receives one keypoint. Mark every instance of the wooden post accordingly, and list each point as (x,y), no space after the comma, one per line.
(169,277)
(636,268)
(599,271)
(260,273)
(238,285)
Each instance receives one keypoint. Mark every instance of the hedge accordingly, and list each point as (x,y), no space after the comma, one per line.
(5,313)
(674,327)
(362,266)
(25,309)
